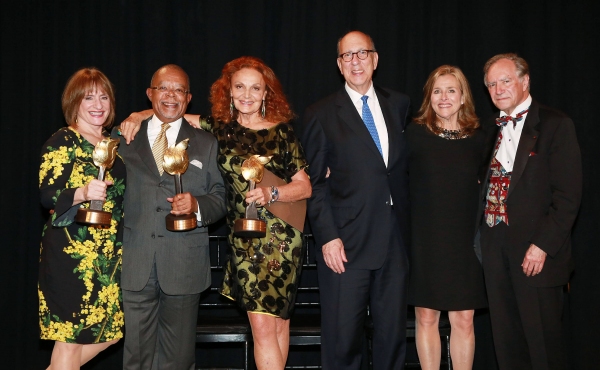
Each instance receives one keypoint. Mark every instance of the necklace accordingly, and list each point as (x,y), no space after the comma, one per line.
(451,134)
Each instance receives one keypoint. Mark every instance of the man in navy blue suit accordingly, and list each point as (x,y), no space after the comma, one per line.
(358,211)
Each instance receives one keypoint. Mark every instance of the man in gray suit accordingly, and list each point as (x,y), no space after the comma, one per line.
(163,271)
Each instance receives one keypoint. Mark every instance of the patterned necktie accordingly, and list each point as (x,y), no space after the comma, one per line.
(502,121)
(159,147)
(370,123)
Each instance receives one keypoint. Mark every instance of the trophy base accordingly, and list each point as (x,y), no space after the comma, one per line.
(88,216)
(181,223)
(249,228)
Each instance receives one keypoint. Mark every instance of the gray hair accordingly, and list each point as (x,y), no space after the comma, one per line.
(520,63)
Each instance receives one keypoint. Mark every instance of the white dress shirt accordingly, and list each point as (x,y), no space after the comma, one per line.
(154,126)
(154,129)
(510,137)
(377,116)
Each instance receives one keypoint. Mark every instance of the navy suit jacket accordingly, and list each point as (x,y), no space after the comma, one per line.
(354,202)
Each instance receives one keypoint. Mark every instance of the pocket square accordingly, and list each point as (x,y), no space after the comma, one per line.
(532,154)
(196,163)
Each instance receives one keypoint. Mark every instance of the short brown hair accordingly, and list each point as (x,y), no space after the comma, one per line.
(80,83)
(467,119)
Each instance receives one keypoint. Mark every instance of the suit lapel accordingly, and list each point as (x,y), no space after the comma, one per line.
(393,135)
(527,141)
(486,175)
(185,131)
(349,115)
(143,149)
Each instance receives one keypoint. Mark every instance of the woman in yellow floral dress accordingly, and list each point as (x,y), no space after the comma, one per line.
(80,266)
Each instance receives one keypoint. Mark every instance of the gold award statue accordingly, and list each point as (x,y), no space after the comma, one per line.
(104,156)
(251,227)
(175,162)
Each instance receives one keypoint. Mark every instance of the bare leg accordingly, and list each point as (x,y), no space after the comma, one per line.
(65,356)
(462,339)
(267,350)
(71,356)
(429,345)
(283,337)
(89,351)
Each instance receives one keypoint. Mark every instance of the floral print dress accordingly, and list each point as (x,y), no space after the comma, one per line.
(261,274)
(80,266)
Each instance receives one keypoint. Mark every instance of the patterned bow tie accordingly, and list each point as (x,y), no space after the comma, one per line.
(502,121)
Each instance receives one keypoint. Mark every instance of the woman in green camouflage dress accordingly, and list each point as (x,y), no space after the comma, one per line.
(249,117)
(79,295)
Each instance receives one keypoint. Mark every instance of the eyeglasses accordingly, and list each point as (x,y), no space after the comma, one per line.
(362,54)
(163,90)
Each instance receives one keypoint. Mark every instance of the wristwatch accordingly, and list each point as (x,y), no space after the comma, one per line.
(274,195)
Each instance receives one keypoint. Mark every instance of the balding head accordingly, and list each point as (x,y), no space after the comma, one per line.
(169,93)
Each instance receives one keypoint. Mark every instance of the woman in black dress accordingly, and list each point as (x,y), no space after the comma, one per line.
(446,154)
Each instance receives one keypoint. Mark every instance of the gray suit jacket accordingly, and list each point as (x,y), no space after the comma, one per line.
(182,258)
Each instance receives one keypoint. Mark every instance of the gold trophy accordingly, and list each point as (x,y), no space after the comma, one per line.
(175,162)
(251,227)
(104,155)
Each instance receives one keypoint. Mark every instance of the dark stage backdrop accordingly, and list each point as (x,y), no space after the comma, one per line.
(44,42)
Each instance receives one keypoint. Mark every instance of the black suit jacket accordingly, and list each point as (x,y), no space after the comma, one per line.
(354,202)
(545,191)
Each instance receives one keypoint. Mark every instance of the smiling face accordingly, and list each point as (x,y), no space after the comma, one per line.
(506,88)
(170,104)
(446,98)
(357,73)
(95,108)
(248,89)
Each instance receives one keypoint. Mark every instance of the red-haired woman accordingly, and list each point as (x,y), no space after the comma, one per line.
(250,116)
(445,157)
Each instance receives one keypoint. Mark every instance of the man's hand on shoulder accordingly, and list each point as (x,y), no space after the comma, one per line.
(131,125)
(193,119)
(334,255)
(533,263)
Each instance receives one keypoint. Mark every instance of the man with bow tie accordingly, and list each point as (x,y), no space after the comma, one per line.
(530,197)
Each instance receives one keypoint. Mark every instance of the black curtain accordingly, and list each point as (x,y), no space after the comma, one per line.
(44,42)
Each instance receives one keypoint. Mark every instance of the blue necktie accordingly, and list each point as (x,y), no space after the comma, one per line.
(370,123)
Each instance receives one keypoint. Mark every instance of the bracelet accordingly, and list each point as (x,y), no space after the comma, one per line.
(274,195)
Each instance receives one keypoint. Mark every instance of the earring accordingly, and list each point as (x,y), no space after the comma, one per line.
(231,107)
(263,109)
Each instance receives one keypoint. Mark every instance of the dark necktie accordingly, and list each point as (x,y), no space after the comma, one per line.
(502,121)
(370,123)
